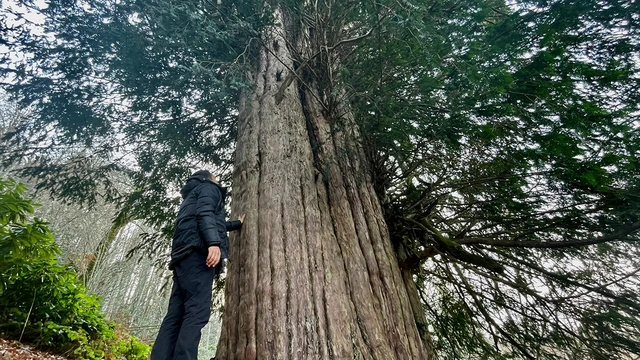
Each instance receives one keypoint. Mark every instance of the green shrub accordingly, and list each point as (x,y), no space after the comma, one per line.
(129,347)
(43,302)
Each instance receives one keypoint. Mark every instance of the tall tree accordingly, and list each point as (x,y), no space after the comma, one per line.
(498,144)
(519,179)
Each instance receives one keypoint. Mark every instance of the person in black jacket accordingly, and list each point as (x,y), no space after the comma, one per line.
(199,245)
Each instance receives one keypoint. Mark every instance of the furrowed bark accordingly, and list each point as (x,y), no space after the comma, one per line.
(312,274)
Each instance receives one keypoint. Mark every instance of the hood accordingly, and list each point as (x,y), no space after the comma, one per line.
(194,181)
(190,185)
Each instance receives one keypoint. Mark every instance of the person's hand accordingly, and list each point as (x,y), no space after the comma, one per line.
(241,218)
(214,256)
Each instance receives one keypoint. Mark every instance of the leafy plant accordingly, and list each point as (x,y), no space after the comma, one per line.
(43,302)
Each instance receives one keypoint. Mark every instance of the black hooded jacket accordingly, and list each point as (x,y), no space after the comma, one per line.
(201,220)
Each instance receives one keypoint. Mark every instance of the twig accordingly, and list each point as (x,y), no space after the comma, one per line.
(28,315)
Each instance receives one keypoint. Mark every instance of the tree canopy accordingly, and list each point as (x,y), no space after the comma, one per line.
(502,138)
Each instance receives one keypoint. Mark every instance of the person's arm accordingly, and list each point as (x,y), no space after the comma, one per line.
(208,198)
(234,225)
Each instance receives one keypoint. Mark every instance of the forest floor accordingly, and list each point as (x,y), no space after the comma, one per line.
(13,350)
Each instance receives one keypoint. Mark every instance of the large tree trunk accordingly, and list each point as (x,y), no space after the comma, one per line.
(312,275)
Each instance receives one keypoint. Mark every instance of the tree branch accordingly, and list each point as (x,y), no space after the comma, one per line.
(298,71)
(488,316)
(620,235)
(565,279)
(454,249)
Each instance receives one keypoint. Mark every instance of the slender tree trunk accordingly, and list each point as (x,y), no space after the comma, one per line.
(312,275)
(101,252)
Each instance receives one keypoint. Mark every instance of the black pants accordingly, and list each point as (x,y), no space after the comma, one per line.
(189,310)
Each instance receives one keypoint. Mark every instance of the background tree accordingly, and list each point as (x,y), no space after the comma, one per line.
(501,140)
